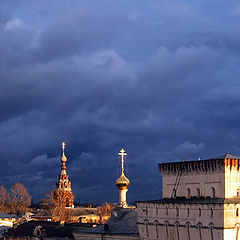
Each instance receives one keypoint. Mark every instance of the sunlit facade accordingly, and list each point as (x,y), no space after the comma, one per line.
(201,200)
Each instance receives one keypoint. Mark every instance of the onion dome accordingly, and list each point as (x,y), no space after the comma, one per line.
(64,158)
(122,182)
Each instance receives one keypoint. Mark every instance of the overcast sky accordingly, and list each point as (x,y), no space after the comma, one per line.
(159,78)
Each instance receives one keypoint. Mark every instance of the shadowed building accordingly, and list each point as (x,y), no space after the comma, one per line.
(63,192)
(201,200)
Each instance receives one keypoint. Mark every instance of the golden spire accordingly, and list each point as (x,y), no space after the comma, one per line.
(122,182)
(64,158)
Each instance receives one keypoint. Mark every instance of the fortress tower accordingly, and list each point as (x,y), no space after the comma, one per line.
(122,182)
(63,192)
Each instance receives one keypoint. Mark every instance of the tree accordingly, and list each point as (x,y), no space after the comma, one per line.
(4,198)
(105,210)
(55,204)
(20,199)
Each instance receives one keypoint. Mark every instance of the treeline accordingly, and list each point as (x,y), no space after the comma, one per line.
(16,201)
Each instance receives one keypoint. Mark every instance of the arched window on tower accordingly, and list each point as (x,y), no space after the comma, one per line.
(67,202)
(176,226)
(146,225)
(198,192)
(211,212)
(237,212)
(213,192)
(199,227)
(166,224)
(156,223)
(211,228)
(177,212)
(188,193)
(188,212)
(187,225)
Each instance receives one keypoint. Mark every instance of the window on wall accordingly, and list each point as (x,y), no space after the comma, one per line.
(177,211)
(156,228)
(188,230)
(146,226)
(166,211)
(199,227)
(156,210)
(188,212)
(199,212)
(237,212)
(198,193)
(188,193)
(176,226)
(211,210)
(238,192)
(213,192)
(211,228)
(166,229)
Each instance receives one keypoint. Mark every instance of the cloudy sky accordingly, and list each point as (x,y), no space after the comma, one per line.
(159,78)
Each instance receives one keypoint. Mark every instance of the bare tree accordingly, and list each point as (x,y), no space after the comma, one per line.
(105,210)
(4,198)
(20,199)
(55,204)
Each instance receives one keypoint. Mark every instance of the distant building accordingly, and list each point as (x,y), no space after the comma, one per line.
(8,219)
(201,200)
(63,192)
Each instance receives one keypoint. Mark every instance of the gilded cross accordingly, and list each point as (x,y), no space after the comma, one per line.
(122,153)
(63,146)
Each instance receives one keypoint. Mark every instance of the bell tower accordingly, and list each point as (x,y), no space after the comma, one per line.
(122,182)
(63,192)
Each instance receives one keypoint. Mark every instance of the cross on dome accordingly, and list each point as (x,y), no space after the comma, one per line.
(63,146)
(122,153)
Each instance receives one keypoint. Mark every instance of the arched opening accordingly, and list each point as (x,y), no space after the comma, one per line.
(199,227)
(199,212)
(211,210)
(213,192)
(156,210)
(166,229)
(146,226)
(176,226)
(67,202)
(238,192)
(211,228)
(177,212)
(188,193)
(198,193)
(188,212)
(187,225)
(237,212)
(156,228)
(166,211)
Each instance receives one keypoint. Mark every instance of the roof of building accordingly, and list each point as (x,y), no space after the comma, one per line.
(193,200)
(122,222)
(50,229)
(212,164)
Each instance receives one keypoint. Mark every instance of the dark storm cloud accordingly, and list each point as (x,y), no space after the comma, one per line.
(159,79)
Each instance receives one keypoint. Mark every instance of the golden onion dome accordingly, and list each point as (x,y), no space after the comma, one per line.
(122,182)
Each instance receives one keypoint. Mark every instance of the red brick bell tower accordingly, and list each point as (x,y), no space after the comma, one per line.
(63,192)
